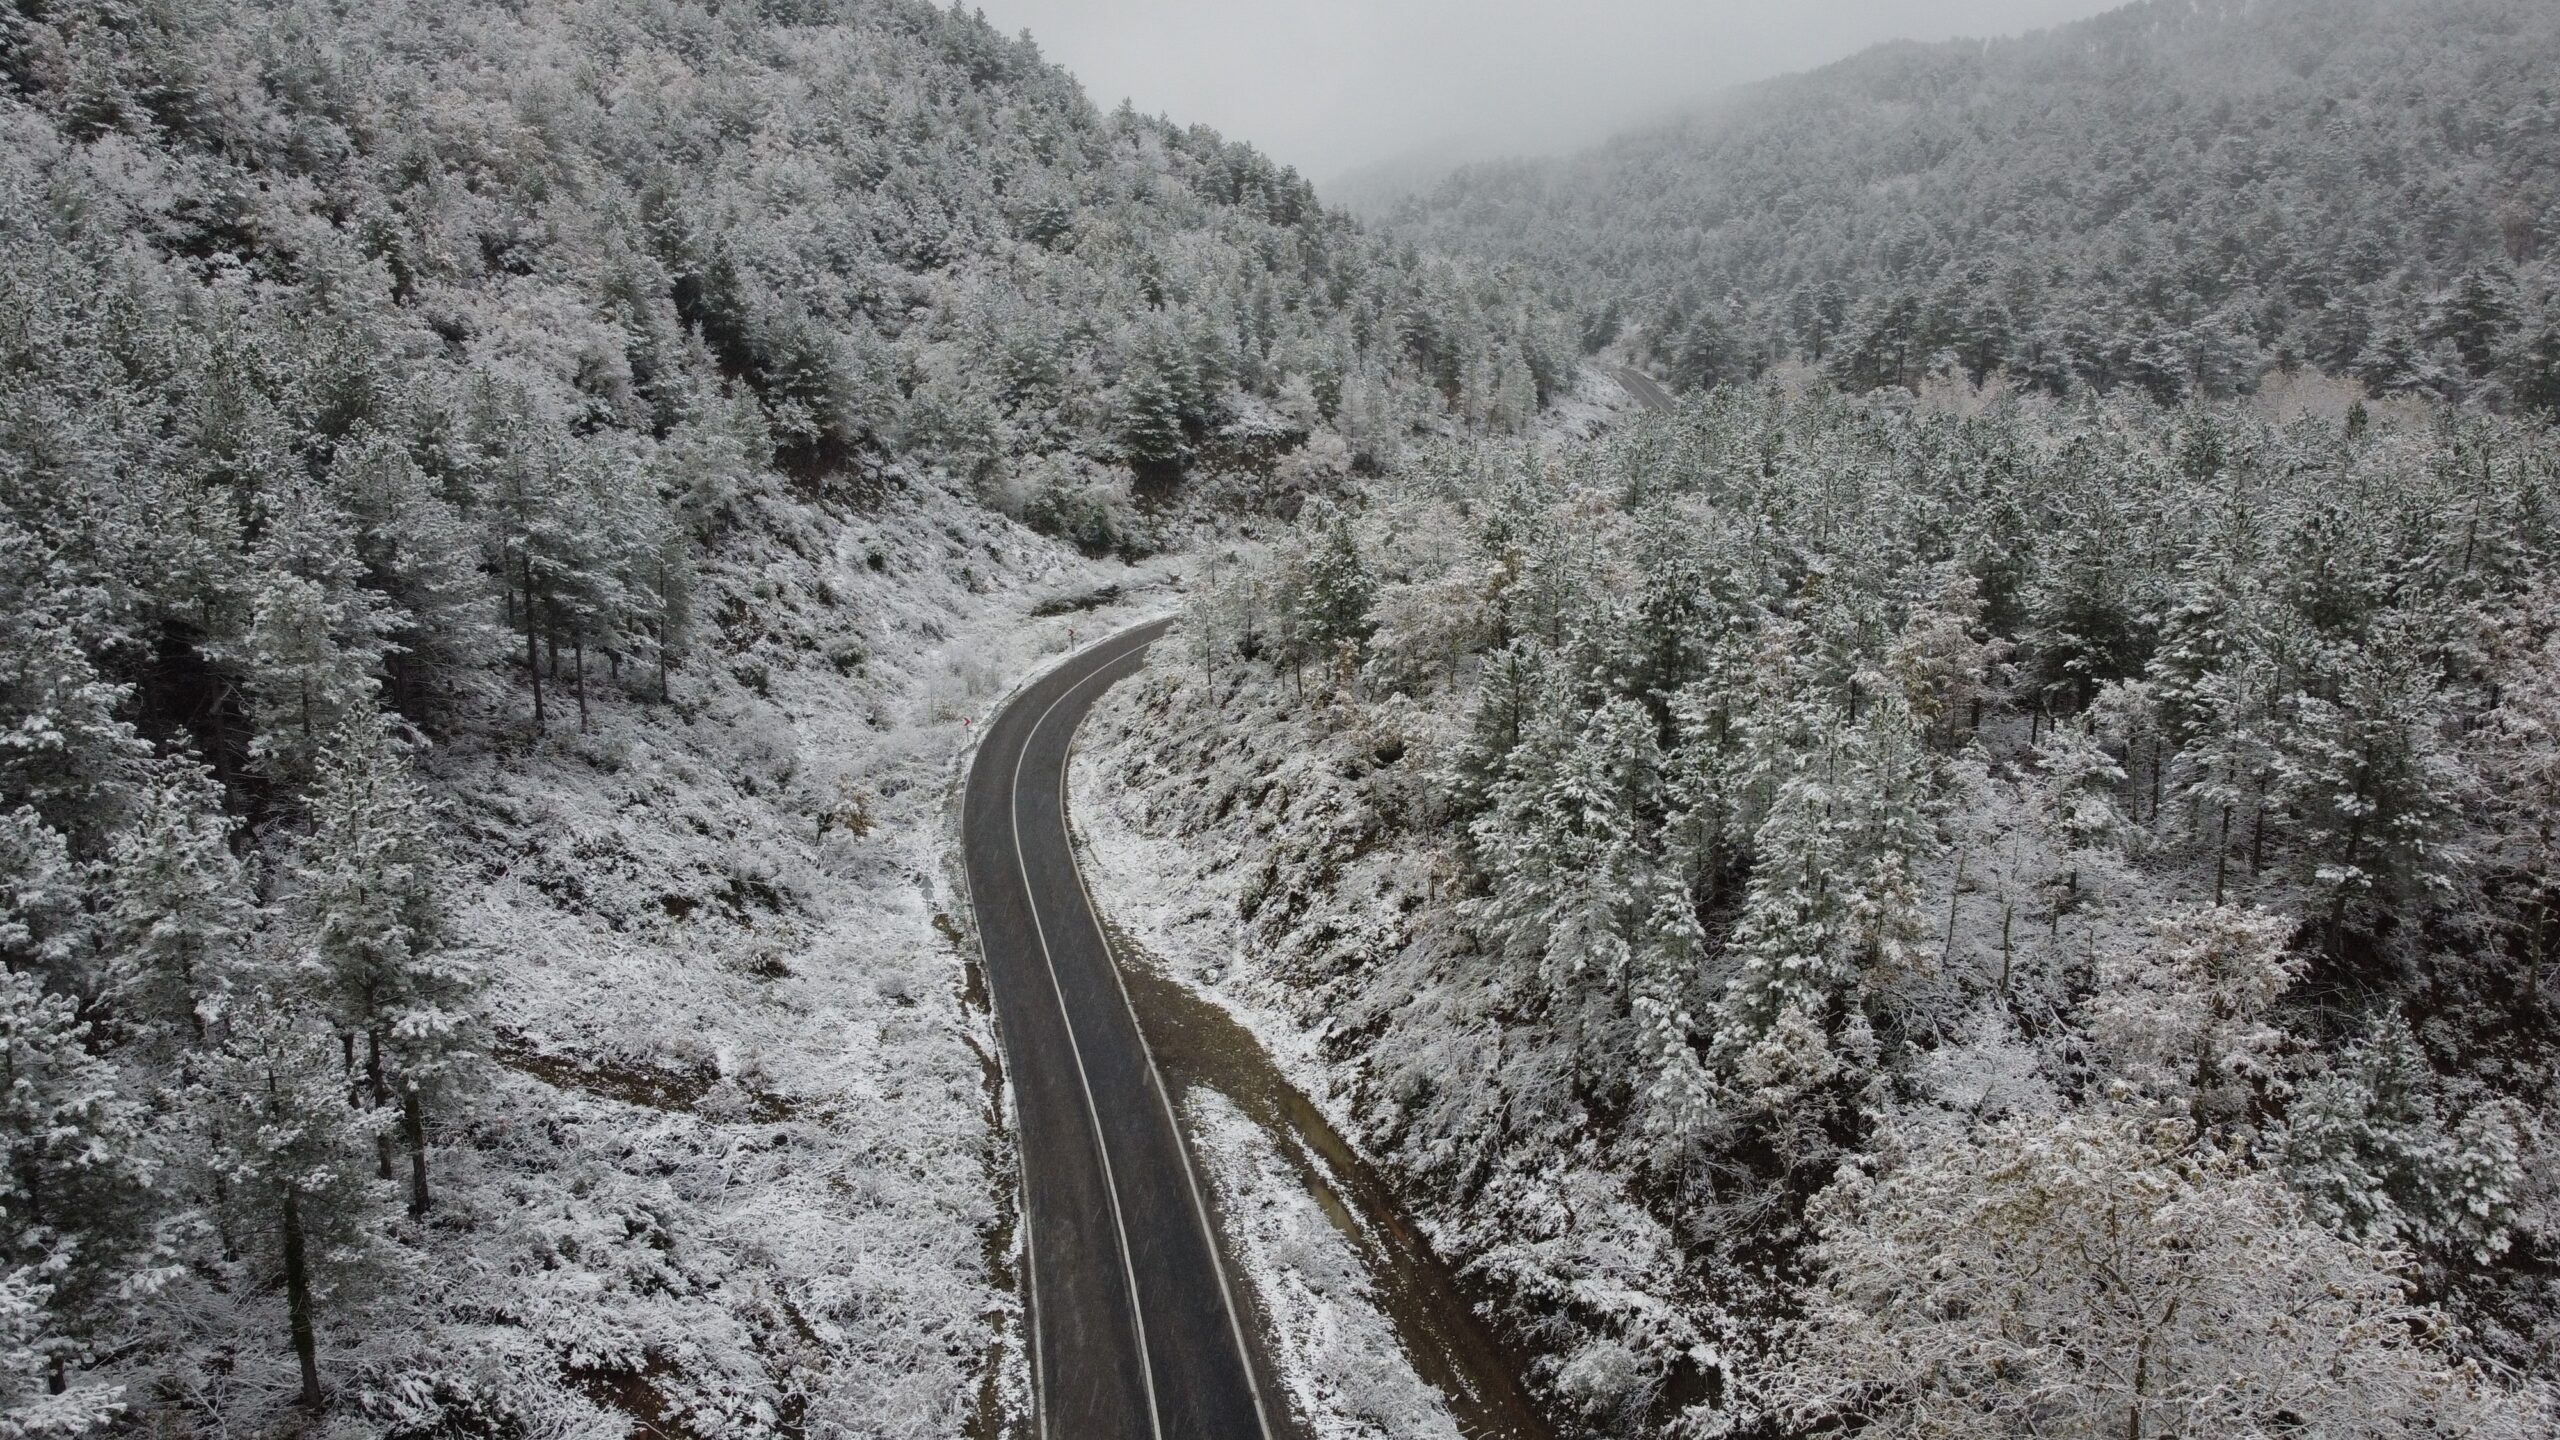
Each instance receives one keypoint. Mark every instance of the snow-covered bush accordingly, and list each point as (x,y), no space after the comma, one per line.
(2103,1276)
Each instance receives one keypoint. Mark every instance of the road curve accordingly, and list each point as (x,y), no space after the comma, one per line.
(1647,391)
(1135,1334)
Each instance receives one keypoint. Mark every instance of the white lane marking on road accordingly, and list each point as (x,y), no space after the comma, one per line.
(1102,1150)
(1030,1231)
(1155,1077)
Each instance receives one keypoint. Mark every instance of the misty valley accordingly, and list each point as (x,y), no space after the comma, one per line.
(731,720)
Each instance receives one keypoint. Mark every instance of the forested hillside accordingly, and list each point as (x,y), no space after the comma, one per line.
(2175,197)
(2028,922)
(505,508)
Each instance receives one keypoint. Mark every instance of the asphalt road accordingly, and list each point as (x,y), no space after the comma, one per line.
(1135,1334)
(1647,390)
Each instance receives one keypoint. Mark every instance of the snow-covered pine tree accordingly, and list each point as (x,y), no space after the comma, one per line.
(1889,833)
(2377,1151)
(79,1216)
(2379,790)
(285,1159)
(1943,660)
(1325,600)
(1772,1028)
(180,910)
(368,916)
(2520,770)
(314,643)
(1149,405)
(64,749)
(2078,793)
(422,554)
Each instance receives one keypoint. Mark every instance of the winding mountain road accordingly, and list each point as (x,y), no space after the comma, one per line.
(1135,1334)
(1647,391)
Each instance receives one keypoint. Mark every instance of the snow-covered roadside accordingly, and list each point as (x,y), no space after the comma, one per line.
(1176,900)
(1371,1332)
(1157,883)
(746,1164)
(1347,1374)
(1234,831)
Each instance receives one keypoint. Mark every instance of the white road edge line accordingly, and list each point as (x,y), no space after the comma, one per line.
(1102,1149)
(1155,1077)
(1030,1232)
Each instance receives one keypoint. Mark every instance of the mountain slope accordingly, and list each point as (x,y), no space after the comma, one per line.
(1837,913)
(2174,196)
(510,509)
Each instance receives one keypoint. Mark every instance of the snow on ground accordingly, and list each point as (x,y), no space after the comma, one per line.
(1345,1368)
(746,1164)
(1347,1374)
(1176,899)
(1244,834)
(1574,416)
(1236,829)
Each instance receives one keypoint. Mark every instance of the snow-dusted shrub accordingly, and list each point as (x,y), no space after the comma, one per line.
(2182,1015)
(2101,1276)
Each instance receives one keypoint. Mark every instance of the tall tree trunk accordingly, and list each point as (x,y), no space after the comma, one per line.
(2338,903)
(1954,889)
(2142,1372)
(2222,856)
(381,1099)
(414,1121)
(222,1206)
(217,721)
(2533,958)
(582,684)
(532,650)
(297,1287)
(2008,912)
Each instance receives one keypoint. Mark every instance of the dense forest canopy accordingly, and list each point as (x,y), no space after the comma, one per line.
(1991,875)
(485,487)
(377,373)
(2175,197)
(1850,909)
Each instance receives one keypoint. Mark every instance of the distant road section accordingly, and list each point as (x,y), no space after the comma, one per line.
(1134,1330)
(1647,390)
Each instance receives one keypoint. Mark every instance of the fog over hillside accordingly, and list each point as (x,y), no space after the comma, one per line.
(2177,197)
(1884,759)
(1335,86)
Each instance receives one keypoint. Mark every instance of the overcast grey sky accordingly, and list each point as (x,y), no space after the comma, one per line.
(1333,85)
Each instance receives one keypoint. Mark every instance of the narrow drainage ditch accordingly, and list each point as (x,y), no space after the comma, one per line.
(1197,1043)
(993,1416)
